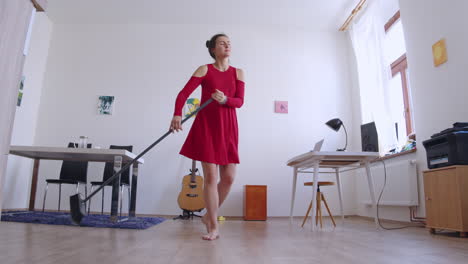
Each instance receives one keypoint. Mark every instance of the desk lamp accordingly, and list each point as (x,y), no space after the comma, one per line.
(336,124)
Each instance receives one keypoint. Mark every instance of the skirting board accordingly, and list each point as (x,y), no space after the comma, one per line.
(391,203)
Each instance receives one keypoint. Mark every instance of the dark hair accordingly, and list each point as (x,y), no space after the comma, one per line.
(211,44)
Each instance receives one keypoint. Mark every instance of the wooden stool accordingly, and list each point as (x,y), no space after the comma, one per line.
(320,198)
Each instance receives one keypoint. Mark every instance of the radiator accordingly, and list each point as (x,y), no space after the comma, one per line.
(402,183)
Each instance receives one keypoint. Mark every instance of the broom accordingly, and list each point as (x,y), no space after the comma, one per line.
(78,204)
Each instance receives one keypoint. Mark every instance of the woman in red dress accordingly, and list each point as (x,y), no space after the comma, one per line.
(213,138)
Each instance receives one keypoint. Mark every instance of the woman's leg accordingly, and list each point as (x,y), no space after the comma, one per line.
(227,175)
(210,191)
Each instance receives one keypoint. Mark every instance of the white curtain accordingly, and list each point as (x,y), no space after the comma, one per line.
(367,36)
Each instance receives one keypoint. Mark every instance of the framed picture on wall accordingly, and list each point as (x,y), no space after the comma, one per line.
(281,107)
(106,105)
(439,52)
(20,92)
(191,105)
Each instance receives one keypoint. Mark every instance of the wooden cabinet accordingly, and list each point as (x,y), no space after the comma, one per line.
(446,195)
(255,202)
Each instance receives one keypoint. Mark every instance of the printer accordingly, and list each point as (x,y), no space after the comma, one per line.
(448,147)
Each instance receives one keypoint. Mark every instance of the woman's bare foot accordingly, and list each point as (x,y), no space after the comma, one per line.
(206,222)
(213,235)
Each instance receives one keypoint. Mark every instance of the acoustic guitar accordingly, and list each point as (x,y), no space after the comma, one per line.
(191,196)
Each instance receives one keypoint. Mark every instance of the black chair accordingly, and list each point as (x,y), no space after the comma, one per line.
(71,172)
(108,172)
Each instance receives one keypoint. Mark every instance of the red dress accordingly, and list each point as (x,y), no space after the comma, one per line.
(214,134)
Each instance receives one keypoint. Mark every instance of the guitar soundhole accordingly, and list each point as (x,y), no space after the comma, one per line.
(193,186)
(192,195)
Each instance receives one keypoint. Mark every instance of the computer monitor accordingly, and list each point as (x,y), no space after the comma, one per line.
(369,138)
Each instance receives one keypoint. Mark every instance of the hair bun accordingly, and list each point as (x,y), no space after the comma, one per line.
(207,44)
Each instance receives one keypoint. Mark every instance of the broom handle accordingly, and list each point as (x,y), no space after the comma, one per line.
(143,153)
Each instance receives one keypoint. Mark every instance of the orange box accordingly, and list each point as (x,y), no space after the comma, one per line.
(255,202)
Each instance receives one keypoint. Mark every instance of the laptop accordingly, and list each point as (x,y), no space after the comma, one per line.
(318,145)
(301,157)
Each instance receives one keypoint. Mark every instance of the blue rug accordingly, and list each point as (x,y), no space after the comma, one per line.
(58,218)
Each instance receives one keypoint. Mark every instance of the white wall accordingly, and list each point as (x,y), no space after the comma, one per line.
(145,66)
(19,170)
(15,18)
(439,93)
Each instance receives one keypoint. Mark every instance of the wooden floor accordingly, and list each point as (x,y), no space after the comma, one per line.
(273,241)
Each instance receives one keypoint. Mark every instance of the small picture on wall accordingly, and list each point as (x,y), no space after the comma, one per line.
(20,93)
(106,105)
(281,107)
(191,106)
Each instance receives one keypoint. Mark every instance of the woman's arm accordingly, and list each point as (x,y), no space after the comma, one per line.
(192,84)
(240,74)
(188,89)
(238,99)
(201,71)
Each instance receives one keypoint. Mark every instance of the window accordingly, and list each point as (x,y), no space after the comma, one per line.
(395,55)
(382,68)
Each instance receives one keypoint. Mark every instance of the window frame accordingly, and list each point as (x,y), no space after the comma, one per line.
(400,65)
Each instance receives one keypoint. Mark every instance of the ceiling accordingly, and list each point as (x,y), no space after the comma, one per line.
(308,14)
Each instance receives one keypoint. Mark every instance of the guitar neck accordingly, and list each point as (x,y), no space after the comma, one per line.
(194,168)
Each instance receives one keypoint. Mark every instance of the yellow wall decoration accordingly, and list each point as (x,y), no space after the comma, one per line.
(439,52)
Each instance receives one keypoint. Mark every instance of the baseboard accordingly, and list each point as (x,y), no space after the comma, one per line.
(302,217)
(15,209)
(387,221)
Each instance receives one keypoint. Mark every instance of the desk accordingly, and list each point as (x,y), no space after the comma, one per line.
(118,156)
(336,161)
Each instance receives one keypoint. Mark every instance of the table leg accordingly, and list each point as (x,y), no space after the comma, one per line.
(115,190)
(133,190)
(32,196)
(293,195)
(338,184)
(370,181)
(314,194)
